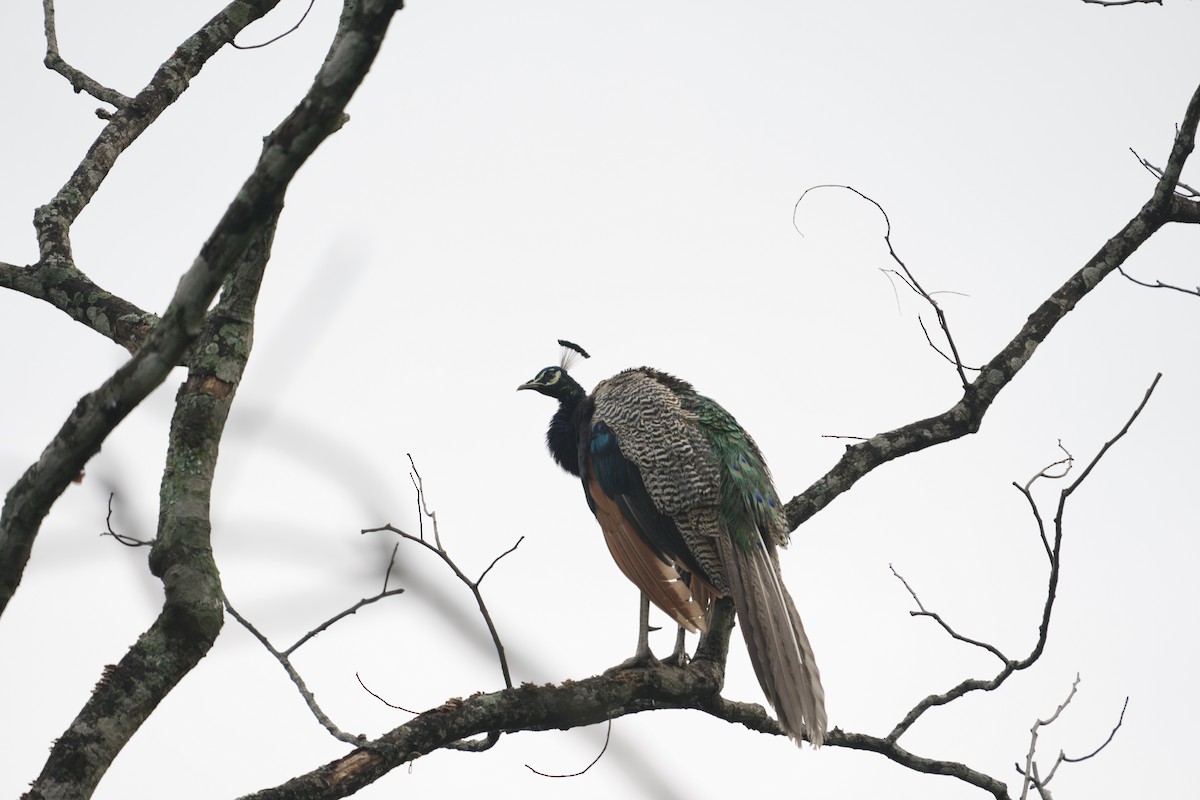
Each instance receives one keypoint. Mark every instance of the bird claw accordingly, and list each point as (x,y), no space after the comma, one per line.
(640,660)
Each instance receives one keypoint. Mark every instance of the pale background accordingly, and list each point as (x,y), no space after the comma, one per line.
(623,175)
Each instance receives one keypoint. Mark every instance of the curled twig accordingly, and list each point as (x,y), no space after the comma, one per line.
(600,755)
(1045,472)
(907,276)
(128,541)
(277,37)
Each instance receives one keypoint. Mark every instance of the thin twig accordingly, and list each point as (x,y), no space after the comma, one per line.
(907,276)
(366,601)
(274,39)
(374,694)
(965,416)
(1030,772)
(600,755)
(422,508)
(128,541)
(495,560)
(938,619)
(1159,284)
(938,350)
(329,725)
(1106,742)
(440,551)
(470,584)
(1107,445)
(1180,188)
(976,684)
(1066,463)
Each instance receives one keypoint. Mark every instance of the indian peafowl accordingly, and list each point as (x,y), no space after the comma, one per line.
(690,514)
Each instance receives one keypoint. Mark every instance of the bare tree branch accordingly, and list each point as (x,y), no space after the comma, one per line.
(524,708)
(966,415)
(472,585)
(121,538)
(301,686)
(237,254)
(909,279)
(1011,666)
(1030,767)
(255,205)
(1159,284)
(938,619)
(80,82)
(1111,734)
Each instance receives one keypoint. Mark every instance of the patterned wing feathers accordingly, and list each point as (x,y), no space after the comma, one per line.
(657,579)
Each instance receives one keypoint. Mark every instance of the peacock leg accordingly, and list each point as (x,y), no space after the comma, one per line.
(642,657)
(643,642)
(679,656)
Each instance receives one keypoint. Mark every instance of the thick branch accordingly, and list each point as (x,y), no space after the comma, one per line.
(55,278)
(260,198)
(524,708)
(966,415)
(181,553)
(72,292)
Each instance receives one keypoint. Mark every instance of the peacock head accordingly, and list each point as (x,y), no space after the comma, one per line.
(554,382)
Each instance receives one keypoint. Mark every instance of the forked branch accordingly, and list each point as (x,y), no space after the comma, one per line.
(966,415)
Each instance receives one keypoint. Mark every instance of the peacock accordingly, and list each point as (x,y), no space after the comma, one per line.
(689,514)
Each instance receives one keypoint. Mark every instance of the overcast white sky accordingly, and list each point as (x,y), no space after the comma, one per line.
(623,175)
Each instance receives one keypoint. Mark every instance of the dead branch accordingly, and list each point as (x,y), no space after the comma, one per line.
(1159,284)
(527,708)
(966,415)
(1055,550)
(1030,767)
(946,627)
(235,255)
(444,555)
(1031,775)
(909,279)
(253,210)
(80,81)
(301,686)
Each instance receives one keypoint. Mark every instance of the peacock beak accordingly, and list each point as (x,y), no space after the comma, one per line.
(528,385)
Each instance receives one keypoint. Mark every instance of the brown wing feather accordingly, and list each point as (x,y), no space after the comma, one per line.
(657,579)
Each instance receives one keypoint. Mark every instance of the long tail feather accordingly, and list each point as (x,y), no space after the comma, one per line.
(779,649)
